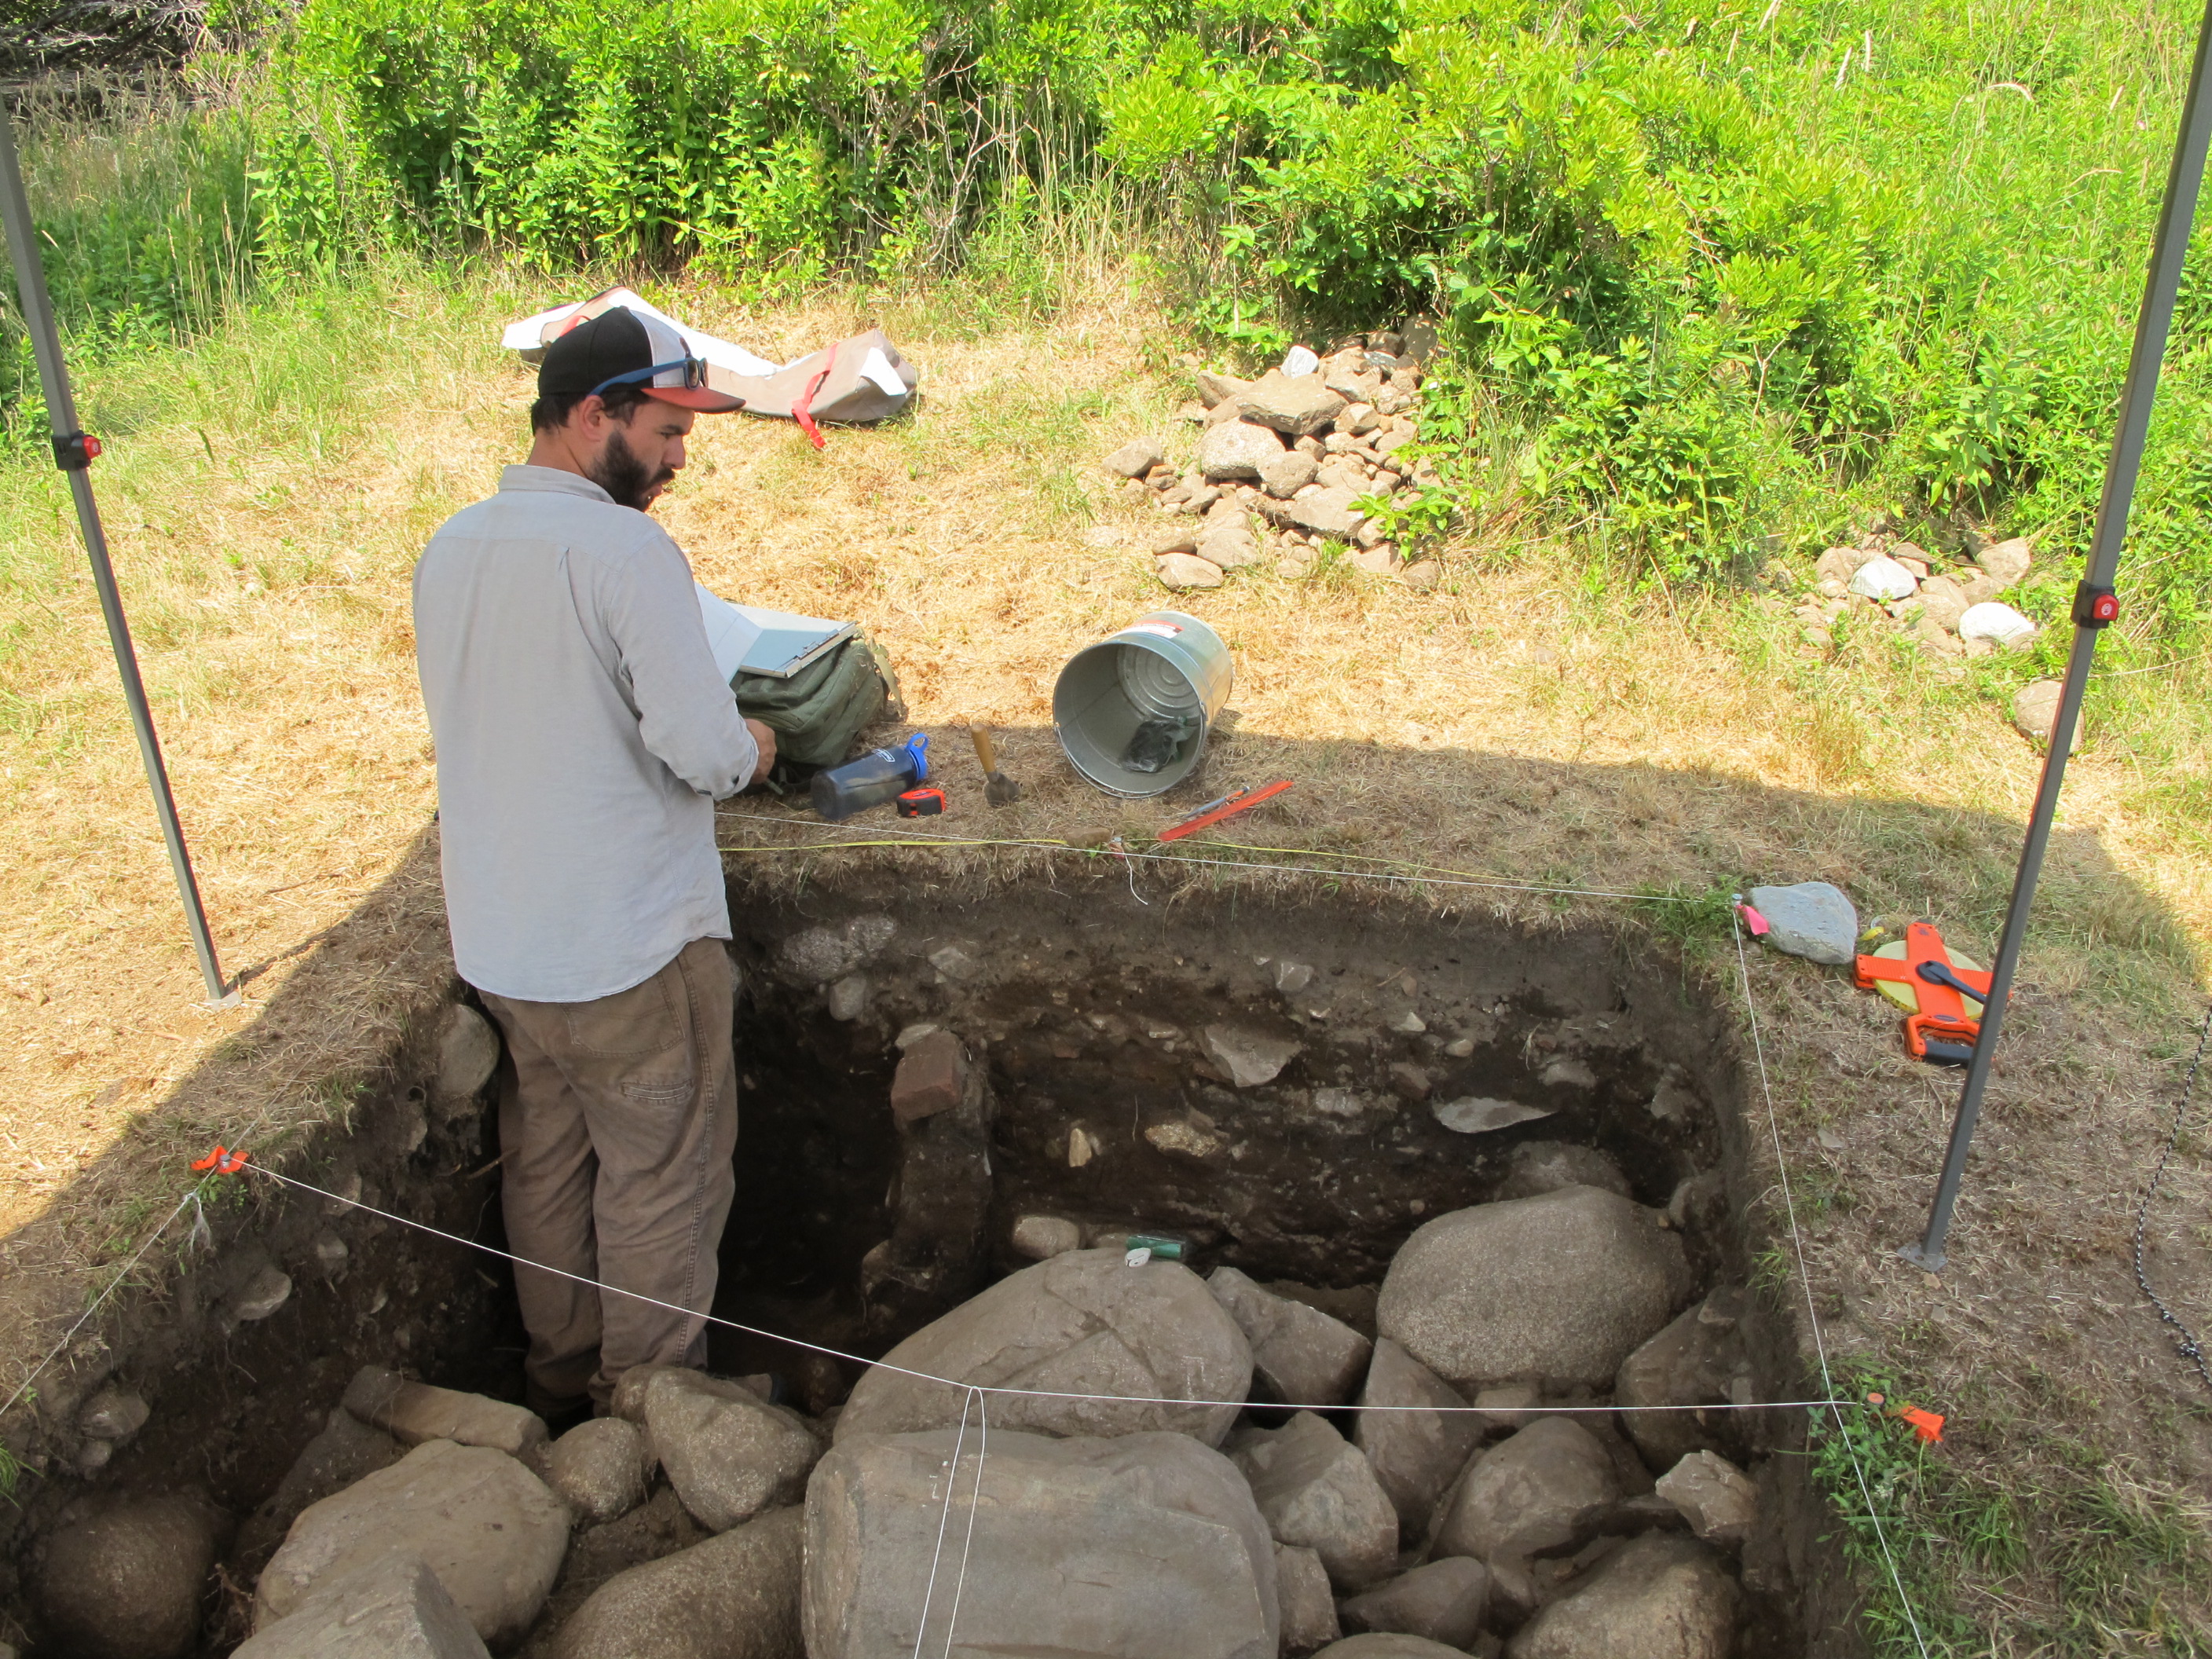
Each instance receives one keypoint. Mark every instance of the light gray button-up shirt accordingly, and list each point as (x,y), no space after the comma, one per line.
(583,737)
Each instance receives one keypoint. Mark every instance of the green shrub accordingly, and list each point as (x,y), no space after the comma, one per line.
(1718,279)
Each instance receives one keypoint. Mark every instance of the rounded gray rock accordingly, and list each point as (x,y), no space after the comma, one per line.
(1419,1444)
(1318,1493)
(113,1413)
(735,1596)
(1541,1491)
(468,1052)
(2035,712)
(1083,1323)
(1140,1544)
(1699,1360)
(1658,1596)
(487,1526)
(1391,1644)
(1237,449)
(598,1468)
(1308,1606)
(127,1582)
(1813,919)
(1444,1600)
(729,1453)
(1536,1167)
(1558,1289)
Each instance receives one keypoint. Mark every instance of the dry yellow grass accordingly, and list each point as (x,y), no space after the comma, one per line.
(1507,725)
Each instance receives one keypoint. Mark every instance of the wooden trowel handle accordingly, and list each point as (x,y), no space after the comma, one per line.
(982,738)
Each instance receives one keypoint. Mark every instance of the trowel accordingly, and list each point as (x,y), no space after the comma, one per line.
(999,789)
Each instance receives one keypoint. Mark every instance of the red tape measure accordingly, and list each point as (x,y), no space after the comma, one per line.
(924,803)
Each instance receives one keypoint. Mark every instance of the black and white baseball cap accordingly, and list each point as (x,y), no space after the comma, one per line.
(620,347)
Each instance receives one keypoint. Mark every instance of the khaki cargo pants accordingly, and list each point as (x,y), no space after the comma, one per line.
(618,1118)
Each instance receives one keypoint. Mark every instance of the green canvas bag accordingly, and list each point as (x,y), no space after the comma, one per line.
(818,713)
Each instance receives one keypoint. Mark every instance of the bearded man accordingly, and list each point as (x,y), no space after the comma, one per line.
(583,735)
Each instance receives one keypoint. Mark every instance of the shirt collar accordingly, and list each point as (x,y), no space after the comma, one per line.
(551,481)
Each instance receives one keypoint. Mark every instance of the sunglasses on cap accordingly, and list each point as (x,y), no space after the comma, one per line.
(695,375)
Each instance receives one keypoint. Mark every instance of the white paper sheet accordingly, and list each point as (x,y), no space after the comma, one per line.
(730,632)
(761,642)
(526,335)
(877,367)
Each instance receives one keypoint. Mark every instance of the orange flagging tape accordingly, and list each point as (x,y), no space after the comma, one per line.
(1929,1425)
(222,1162)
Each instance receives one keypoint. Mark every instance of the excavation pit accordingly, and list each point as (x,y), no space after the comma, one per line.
(1284,1085)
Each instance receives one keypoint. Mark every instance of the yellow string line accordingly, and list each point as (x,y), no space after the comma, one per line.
(1160,850)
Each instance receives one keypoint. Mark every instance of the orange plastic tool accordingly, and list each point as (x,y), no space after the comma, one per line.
(1227,807)
(1942,1010)
(222,1162)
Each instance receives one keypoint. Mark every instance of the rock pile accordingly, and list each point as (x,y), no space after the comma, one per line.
(1128,1459)
(1283,463)
(1952,613)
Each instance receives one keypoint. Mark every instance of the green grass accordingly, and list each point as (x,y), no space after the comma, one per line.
(2089,1558)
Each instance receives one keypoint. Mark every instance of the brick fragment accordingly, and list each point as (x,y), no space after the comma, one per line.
(932,1077)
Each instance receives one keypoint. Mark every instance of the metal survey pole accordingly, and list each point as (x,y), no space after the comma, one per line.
(73,453)
(2094,605)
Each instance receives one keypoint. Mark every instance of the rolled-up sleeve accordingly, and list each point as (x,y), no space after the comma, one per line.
(687,714)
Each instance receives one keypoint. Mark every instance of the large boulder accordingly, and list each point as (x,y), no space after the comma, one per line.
(1444,1600)
(1657,1597)
(483,1523)
(729,1453)
(1558,1289)
(1083,1323)
(1299,1354)
(1316,1491)
(1122,1548)
(345,1451)
(1420,1435)
(394,1609)
(1542,1490)
(127,1580)
(735,1596)
(1544,1166)
(1696,1360)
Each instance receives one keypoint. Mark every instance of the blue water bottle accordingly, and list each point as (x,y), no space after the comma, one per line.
(879,775)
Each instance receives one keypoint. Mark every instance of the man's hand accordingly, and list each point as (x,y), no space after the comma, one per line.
(764,737)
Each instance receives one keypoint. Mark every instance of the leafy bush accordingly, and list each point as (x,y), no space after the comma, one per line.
(1718,279)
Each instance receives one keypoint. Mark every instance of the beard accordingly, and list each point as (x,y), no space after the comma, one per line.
(619,472)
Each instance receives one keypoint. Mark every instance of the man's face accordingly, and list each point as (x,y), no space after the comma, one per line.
(641,454)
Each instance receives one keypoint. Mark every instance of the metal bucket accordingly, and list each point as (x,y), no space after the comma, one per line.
(1163,666)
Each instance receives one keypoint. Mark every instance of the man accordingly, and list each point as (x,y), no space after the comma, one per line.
(583,736)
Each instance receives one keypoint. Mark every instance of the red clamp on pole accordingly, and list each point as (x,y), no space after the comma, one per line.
(221,1162)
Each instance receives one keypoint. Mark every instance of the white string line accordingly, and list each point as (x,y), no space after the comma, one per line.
(69,1335)
(952,1480)
(1805,1281)
(975,1502)
(990,1388)
(905,831)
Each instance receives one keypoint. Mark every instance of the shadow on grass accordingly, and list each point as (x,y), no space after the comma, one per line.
(1358,858)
